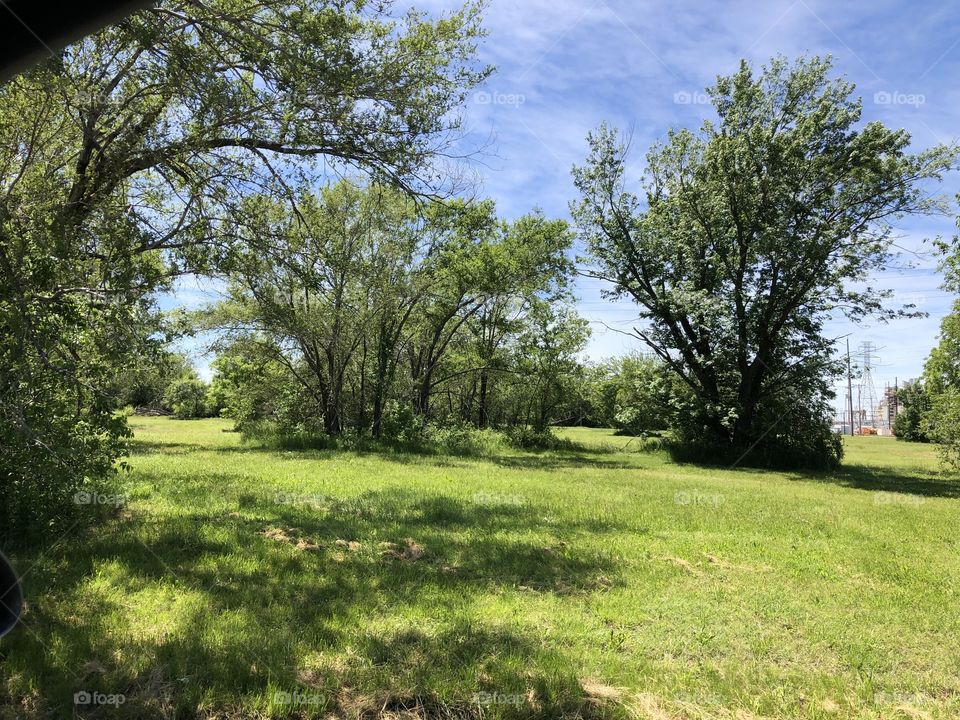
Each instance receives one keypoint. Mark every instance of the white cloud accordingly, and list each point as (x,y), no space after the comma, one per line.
(576,63)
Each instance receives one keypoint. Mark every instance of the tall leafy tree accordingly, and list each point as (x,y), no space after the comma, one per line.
(456,286)
(912,414)
(931,407)
(528,264)
(749,235)
(123,159)
(937,399)
(361,282)
(549,372)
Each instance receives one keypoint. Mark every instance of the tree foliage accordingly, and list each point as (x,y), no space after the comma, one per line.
(749,235)
(931,408)
(122,159)
(187,398)
(633,393)
(364,302)
(913,402)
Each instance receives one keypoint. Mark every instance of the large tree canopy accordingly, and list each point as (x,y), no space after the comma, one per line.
(122,159)
(362,299)
(750,234)
(930,407)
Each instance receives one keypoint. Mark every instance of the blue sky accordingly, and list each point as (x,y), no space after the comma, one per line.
(566,65)
(563,66)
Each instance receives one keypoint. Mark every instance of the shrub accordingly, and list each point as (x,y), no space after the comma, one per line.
(523,437)
(400,425)
(274,435)
(187,398)
(460,439)
(942,425)
(451,439)
(914,406)
(38,492)
(798,438)
(632,394)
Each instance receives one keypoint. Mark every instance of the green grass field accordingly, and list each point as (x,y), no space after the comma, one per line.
(238,582)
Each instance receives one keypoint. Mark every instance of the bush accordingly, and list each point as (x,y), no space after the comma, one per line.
(914,406)
(460,439)
(59,364)
(776,455)
(249,388)
(38,491)
(187,398)
(796,439)
(632,394)
(523,437)
(942,425)
(400,425)
(454,439)
(272,434)
(144,384)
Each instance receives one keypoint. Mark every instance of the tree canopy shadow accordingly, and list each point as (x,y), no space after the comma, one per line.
(916,481)
(559,460)
(253,593)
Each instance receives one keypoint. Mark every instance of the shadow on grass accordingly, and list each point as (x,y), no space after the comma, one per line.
(558,460)
(874,478)
(890,480)
(520,459)
(149,447)
(365,603)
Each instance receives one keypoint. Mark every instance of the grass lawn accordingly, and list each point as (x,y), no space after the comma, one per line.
(238,582)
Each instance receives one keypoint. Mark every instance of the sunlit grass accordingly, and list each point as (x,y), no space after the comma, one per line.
(602,582)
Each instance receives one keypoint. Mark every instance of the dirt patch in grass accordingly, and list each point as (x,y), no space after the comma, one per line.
(410,551)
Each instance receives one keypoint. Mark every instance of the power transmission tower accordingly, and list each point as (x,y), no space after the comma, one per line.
(868,390)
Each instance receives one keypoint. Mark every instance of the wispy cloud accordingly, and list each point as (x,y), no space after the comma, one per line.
(643,67)
(566,65)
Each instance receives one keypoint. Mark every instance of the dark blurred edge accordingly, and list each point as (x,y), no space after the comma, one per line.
(32,30)
(11,597)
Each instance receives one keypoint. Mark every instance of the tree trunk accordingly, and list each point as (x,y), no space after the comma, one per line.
(377,415)
(421,401)
(483,417)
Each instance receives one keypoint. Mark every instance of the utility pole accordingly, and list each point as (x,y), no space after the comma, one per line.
(860,408)
(849,388)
